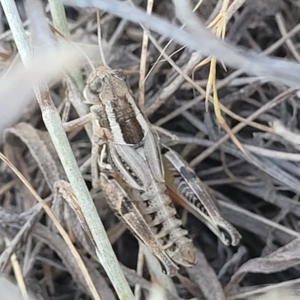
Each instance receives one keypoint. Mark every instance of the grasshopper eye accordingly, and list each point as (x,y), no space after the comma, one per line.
(119,74)
(95,86)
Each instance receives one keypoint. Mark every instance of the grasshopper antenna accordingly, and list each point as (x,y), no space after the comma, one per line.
(100,40)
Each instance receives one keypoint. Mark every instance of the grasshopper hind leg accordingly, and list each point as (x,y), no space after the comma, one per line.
(193,195)
(128,213)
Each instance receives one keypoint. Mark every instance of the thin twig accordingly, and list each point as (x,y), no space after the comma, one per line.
(144,60)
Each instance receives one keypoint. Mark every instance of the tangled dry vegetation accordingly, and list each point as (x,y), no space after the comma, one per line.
(237,125)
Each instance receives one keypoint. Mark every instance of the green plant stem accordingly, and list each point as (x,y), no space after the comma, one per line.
(60,23)
(53,123)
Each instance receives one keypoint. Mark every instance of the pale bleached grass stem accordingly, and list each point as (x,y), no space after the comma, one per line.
(53,123)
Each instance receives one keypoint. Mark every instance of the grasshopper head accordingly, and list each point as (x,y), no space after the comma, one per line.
(105,84)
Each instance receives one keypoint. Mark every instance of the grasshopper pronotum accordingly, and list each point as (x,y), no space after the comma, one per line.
(126,146)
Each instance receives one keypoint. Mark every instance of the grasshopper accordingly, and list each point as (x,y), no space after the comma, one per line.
(132,169)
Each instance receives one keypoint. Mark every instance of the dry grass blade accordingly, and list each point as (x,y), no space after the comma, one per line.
(218,25)
(288,290)
(281,130)
(281,97)
(257,225)
(56,130)
(273,69)
(258,193)
(61,249)
(66,190)
(19,276)
(56,223)
(208,284)
(144,60)
(40,149)
(282,259)
(17,240)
